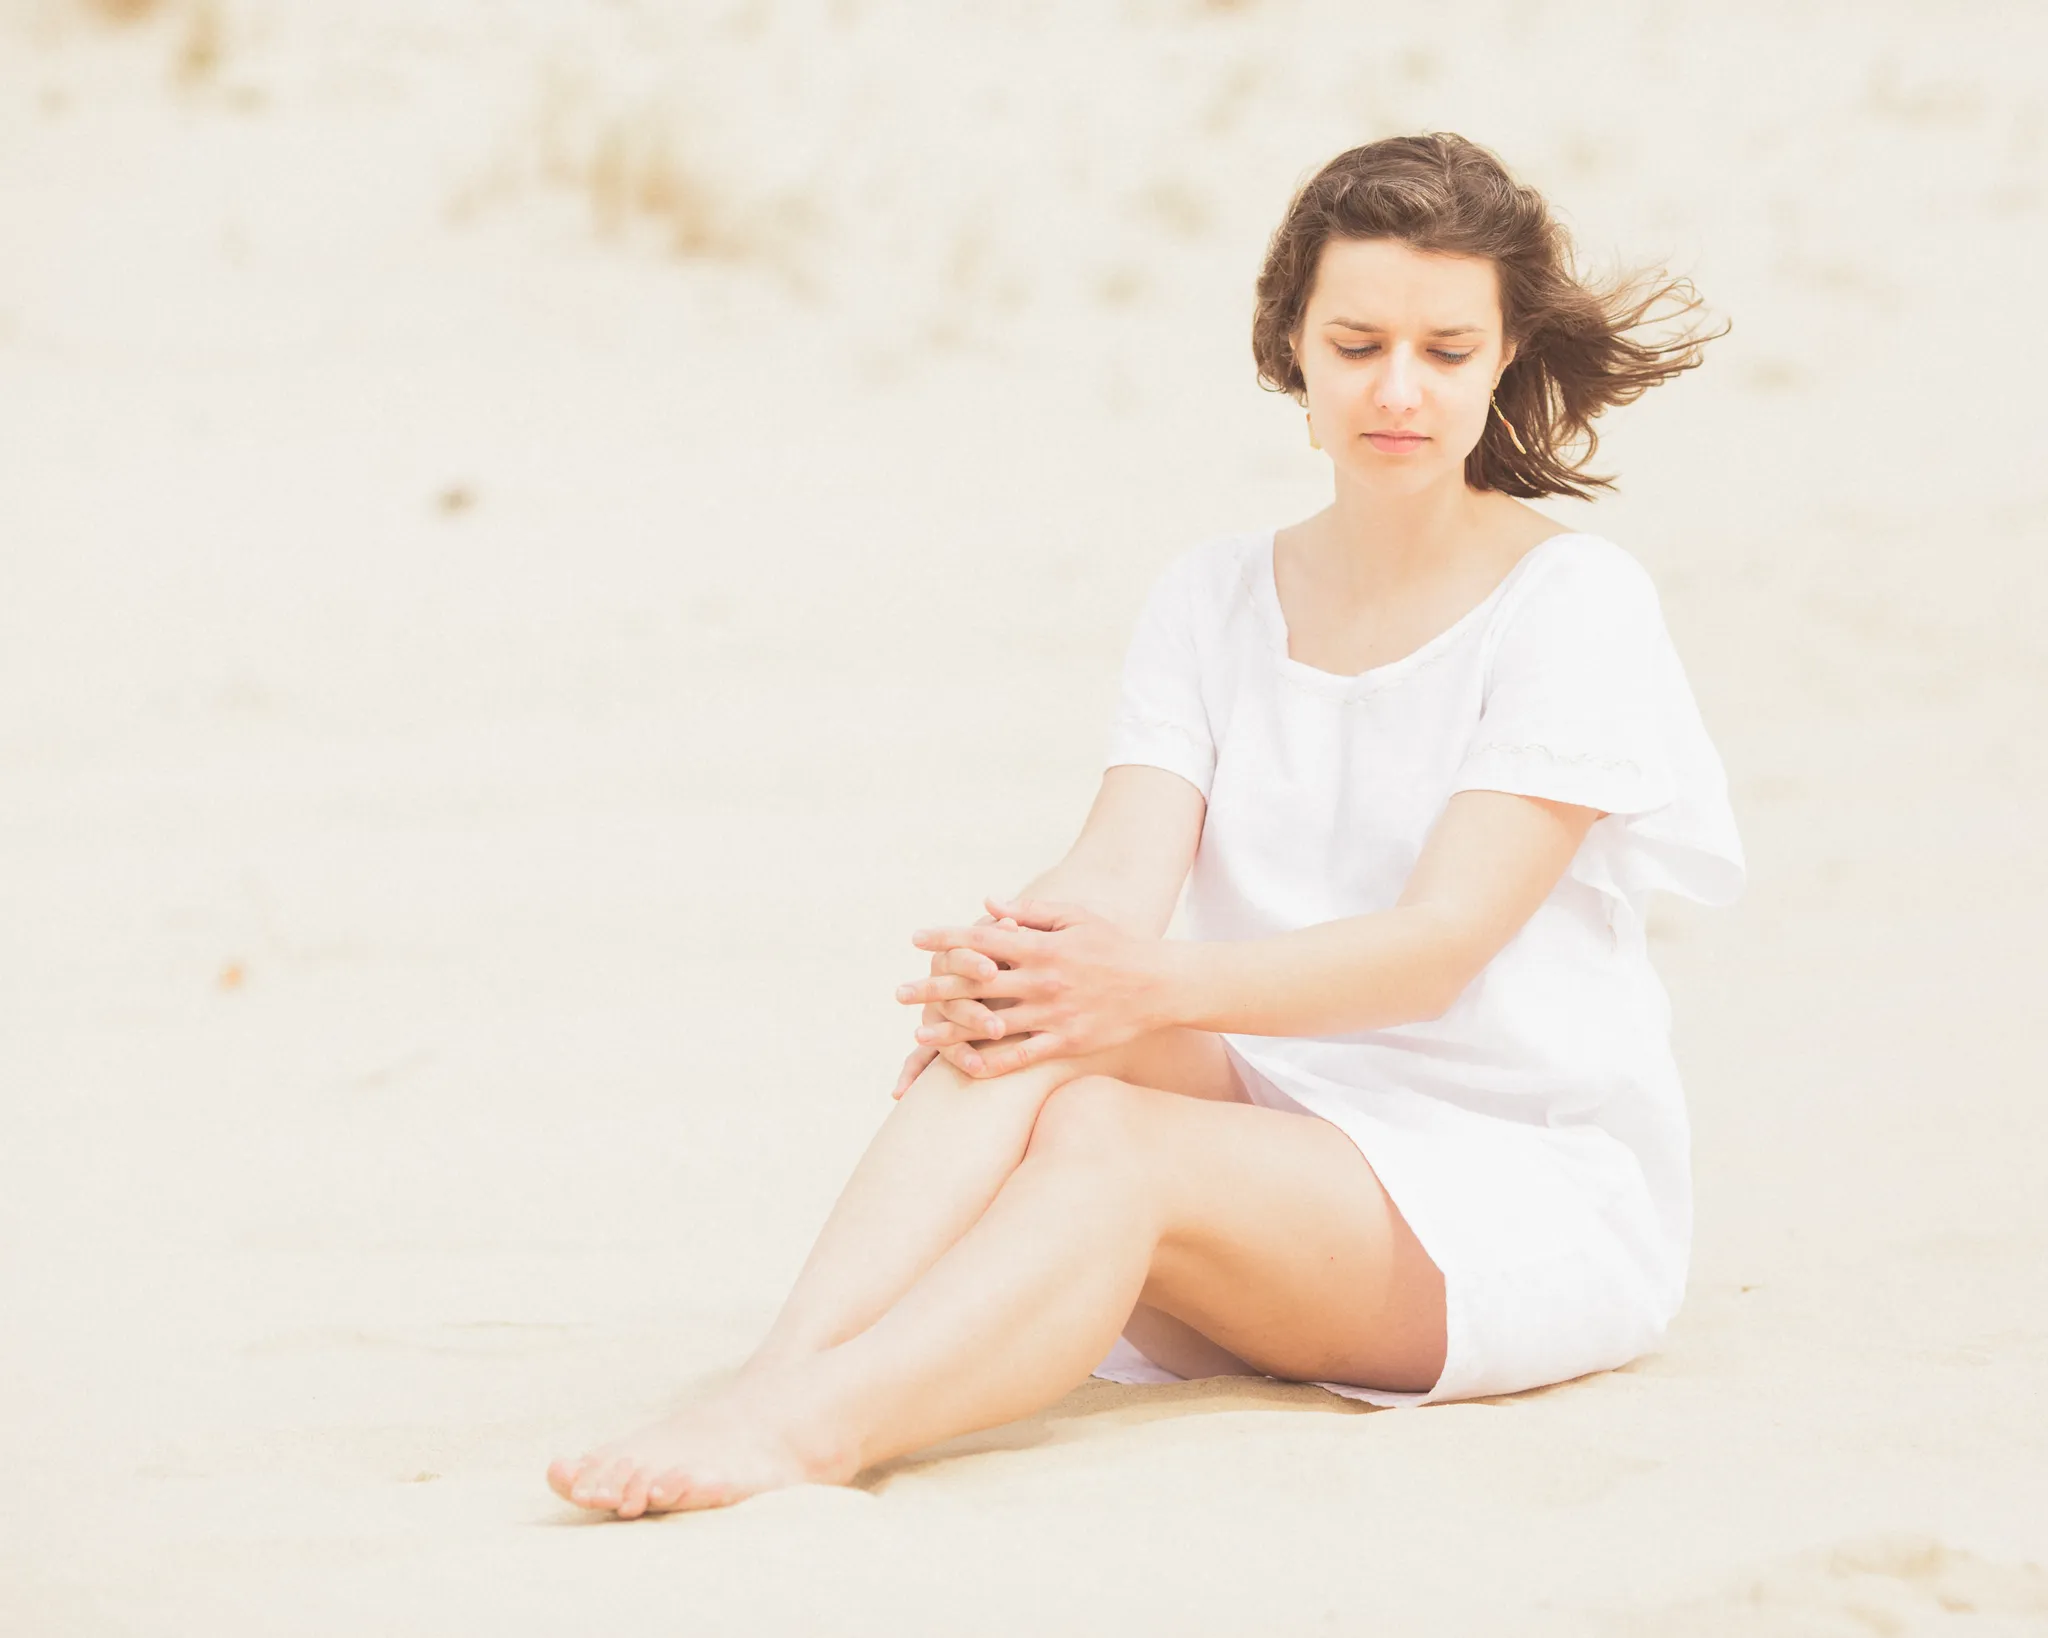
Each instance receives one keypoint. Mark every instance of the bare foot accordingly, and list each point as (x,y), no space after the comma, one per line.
(735,1444)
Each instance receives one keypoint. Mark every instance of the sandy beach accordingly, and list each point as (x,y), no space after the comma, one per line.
(538,542)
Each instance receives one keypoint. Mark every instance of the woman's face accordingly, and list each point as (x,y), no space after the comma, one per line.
(1396,341)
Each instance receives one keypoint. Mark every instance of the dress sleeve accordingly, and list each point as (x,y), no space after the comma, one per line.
(1587,702)
(1161,720)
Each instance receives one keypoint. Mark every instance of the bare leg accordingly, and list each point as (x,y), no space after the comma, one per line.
(940,1157)
(1179,1347)
(1265,1230)
(931,1171)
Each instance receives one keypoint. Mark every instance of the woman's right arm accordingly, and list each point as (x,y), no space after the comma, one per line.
(1134,851)
(1128,864)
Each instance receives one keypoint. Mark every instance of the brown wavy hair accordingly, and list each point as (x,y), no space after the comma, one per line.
(1577,347)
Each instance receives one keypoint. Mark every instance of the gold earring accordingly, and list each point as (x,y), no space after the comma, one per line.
(1504,421)
(1311,420)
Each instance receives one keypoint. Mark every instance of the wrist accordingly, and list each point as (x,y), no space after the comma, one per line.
(1176,984)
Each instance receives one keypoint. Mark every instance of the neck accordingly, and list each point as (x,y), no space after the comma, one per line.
(1378,541)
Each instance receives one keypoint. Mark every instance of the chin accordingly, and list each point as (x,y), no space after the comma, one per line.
(1401,477)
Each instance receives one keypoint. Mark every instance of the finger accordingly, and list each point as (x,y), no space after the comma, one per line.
(913,1066)
(963,1058)
(941,1036)
(1011,984)
(931,990)
(1012,1023)
(1011,944)
(933,1017)
(942,997)
(964,964)
(982,1023)
(1019,1055)
(1047,915)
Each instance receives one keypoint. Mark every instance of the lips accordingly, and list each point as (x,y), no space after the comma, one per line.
(1396,440)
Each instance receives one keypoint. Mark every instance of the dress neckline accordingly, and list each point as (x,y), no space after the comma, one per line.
(1266,593)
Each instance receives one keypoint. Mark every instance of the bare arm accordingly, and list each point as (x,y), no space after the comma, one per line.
(1081,983)
(1134,851)
(1127,866)
(1489,862)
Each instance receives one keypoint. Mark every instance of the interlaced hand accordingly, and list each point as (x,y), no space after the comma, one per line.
(1047,980)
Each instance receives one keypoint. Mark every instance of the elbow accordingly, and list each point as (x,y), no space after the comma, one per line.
(1440,1001)
(1452,965)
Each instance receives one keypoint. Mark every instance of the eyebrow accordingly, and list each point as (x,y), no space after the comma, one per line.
(1447,330)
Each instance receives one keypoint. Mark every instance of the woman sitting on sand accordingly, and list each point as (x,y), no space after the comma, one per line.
(1399,1116)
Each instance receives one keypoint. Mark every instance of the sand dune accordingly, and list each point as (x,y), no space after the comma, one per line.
(506,517)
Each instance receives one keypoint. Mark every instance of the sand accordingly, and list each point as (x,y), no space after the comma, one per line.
(538,542)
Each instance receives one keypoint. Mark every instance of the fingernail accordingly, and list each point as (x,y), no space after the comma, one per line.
(905,993)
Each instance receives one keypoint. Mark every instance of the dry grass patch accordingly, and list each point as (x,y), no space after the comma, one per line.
(122,11)
(635,165)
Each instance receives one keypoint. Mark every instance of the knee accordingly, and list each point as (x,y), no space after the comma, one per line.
(940,1086)
(1094,1119)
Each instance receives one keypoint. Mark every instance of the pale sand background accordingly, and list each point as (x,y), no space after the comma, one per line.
(826,384)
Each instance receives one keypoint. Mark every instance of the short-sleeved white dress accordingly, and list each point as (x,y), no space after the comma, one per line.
(1535,1135)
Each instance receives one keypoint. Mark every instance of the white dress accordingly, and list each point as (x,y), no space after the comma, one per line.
(1534,1136)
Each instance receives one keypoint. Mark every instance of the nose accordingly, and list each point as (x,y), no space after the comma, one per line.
(1400,384)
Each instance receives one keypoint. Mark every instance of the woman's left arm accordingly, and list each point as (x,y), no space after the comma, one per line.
(1081,984)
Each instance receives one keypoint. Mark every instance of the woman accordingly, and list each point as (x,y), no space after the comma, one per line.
(1399,1116)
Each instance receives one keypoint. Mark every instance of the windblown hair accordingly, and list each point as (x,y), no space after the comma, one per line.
(1577,352)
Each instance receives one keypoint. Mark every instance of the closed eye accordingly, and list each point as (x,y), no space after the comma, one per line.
(1368,351)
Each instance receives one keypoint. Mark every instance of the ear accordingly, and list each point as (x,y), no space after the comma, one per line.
(1507,355)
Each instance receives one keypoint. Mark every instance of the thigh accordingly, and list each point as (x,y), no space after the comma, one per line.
(1179,1347)
(1275,1240)
(1191,1062)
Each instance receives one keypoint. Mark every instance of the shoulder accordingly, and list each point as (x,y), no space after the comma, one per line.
(1579,604)
(1215,567)
(1204,583)
(1584,576)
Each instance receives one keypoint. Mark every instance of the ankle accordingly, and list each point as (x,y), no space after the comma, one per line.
(777,1355)
(792,1393)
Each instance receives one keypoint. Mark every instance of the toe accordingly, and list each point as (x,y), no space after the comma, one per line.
(666,1490)
(633,1495)
(562,1473)
(611,1482)
(590,1488)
